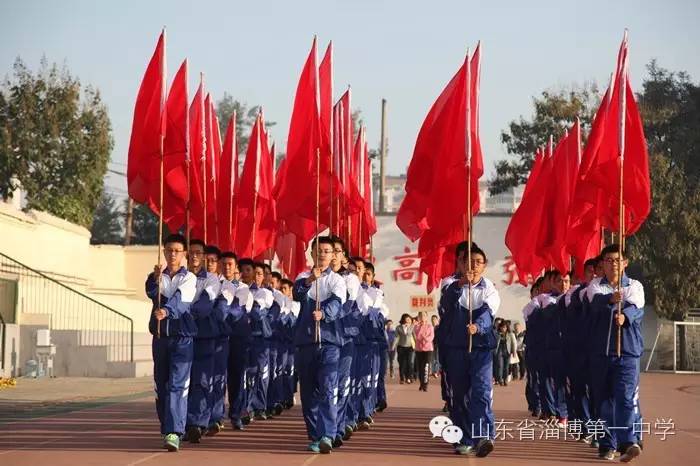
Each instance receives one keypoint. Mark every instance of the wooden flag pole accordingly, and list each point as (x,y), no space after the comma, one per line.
(468,154)
(203,140)
(160,182)
(318,201)
(255,215)
(621,207)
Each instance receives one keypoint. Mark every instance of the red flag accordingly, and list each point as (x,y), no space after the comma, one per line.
(198,151)
(256,223)
(228,186)
(175,155)
(147,130)
(622,144)
(211,170)
(446,155)
(291,252)
(561,189)
(524,224)
(295,192)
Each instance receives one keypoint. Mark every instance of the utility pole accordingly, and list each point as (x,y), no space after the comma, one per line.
(129,221)
(382,150)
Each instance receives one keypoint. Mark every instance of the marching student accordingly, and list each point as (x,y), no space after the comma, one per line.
(615,379)
(470,373)
(553,321)
(199,401)
(275,346)
(532,387)
(213,254)
(372,304)
(172,327)
(536,340)
(236,324)
(317,358)
(575,335)
(358,411)
(348,329)
(229,266)
(261,332)
(289,382)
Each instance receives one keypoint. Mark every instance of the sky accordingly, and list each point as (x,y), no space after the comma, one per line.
(401,51)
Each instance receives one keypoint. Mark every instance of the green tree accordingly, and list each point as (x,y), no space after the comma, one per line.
(245,119)
(107,222)
(144,226)
(55,140)
(554,112)
(667,245)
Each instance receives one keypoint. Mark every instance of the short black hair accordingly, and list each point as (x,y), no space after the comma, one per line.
(176,238)
(339,240)
(322,240)
(212,250)
(229,255)
(356,259)
(611,249)
(246,261)
(259,265)
(197,241)
(266,266)
(286,281)
(369,266)
(593,262)
(463,247)
(277,275)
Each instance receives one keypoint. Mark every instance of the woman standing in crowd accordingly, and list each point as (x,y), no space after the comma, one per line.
(405,343)
(424,334)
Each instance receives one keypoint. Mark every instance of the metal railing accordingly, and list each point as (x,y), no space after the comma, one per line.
(69,309)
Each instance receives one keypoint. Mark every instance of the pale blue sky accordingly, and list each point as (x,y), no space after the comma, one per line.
(404,51)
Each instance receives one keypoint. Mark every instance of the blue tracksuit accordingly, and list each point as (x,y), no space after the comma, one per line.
(537,349)
(377,341)
(173,350)
(532,386)
(258,373)
(575,333)
(439,338)
(235,323)
(470,374)
(615,380)
(360,368)
(553,318)
(349,329)
(317,362)
(201,397)
(290,376)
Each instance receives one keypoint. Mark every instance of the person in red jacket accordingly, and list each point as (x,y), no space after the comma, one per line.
(424,334)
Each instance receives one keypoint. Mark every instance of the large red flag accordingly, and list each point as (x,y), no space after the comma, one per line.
(518,235)
(446,159)
(524,225)
(148,129)
(256,223)
(291,253)
(198,154)
(295,192)
(228,185)
(552,244)
(175,155)
(212,160)
(623,144)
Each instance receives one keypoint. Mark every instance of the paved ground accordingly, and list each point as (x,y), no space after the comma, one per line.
(107,422)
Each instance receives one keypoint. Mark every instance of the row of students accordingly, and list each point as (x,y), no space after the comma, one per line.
(229,325)
(341,341)
(574,371)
